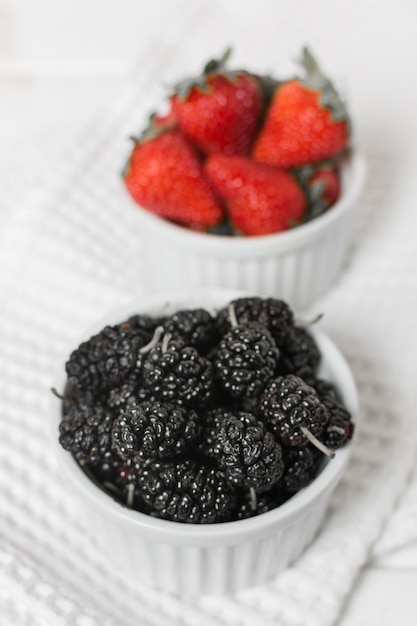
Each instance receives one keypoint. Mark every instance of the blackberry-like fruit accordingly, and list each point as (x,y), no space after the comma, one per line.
(146,323)
(130,393)
(301,467)
(186,491)
(292,410)
(339,428)
(245,360)
(85,431)
(196,327)
(272,313)
(212,421)
(124,486)
(178,373)
(250,503)
(106,359)
(155,430)
(299,355)
(248,454)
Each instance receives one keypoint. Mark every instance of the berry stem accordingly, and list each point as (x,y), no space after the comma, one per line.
(156,337)
(130,495)
(62,397)
(318,444)
(165,341)
(336,429)
(232,316)
(313,320)
(253,502)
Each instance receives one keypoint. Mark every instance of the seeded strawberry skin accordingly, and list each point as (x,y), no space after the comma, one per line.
(165,176)
(260,199)
(298,129)
(223,117)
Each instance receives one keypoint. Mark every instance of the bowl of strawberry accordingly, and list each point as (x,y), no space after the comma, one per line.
(203,434)
(247,182)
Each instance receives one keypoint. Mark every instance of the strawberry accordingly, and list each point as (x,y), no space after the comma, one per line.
(322,184)
(165,176)
(220,110)
(324,189)
(260,199)
(306,121)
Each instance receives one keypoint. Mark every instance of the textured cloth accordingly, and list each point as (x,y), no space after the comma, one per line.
(70,252)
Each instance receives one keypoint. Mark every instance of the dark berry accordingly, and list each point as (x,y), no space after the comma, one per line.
(178,373)
(186,491)
(245,360)
(125,485)
(106,359)
(291,409)
(299,354)
(301,466)
(154,430)
(272,313)
(247,453)
(146,323)
(250,503)
(196,327)
(339,428)
(212,422)
(85,431)
(129,393)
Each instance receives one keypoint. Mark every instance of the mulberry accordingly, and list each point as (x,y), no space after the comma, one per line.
(186,491)
(178,373)
(249,455)
(154,430)
(272,313)
(194,326)
(106,359)
(292,410)
(85,431)
(245,360)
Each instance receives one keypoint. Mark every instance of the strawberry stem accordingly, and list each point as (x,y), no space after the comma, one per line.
(214,65)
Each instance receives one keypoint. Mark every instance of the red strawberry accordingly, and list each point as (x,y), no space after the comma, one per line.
(324,188)
(220,110)
(165,176)
(306,121)
(260,199)
(322,185)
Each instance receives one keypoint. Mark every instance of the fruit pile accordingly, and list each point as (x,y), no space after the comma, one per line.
(240,153)
(202,417)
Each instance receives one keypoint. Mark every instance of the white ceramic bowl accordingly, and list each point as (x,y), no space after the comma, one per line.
(189,559)
(298,265)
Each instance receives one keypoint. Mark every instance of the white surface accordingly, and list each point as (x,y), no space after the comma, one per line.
(58,70)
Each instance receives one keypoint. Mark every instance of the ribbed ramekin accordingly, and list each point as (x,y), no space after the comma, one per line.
(188,559)
(298,265)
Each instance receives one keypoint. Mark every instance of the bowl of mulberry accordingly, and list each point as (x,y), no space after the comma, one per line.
(203,435)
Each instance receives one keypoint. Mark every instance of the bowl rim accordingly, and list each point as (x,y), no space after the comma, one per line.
(353,170)
(192,534)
